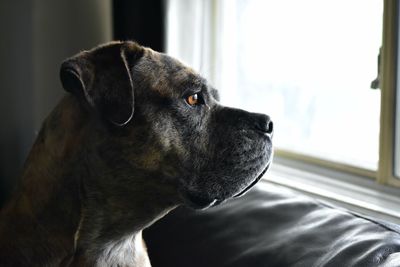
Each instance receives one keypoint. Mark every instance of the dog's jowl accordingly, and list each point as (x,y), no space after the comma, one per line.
(136,135)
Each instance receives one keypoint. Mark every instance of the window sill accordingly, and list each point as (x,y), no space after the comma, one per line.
(356,193)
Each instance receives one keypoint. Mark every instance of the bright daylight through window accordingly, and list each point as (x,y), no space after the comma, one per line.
(310,65)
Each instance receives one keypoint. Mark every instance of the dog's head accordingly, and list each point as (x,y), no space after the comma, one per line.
(163,119)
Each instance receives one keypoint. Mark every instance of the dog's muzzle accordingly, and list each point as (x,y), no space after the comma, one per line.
(240,154)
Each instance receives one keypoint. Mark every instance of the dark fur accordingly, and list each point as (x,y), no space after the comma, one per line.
(119,153)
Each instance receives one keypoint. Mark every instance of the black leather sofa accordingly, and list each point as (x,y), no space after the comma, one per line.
(272,226)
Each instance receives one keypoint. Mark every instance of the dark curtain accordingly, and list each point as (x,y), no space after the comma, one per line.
(141,21)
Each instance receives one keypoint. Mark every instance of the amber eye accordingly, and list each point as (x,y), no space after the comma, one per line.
(193,100)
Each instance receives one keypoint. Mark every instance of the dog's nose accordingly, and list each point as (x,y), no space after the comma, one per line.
(264,124)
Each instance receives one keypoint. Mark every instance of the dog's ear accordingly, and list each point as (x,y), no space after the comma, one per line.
(102,78)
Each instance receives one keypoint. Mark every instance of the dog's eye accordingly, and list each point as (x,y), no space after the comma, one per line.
(193,100)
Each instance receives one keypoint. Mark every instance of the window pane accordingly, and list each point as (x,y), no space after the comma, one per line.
(309,64)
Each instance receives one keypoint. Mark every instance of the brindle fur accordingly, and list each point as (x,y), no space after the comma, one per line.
(119,152)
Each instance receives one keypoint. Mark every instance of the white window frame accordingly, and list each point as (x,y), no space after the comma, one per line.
(388,76)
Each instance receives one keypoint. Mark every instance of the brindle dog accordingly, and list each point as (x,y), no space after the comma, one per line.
(138,135)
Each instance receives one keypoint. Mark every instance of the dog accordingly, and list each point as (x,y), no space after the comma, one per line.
(137,134)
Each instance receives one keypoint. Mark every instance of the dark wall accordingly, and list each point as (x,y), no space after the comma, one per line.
(16,78)
(142,21)
(36,35)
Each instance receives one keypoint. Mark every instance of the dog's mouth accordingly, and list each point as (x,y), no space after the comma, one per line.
(246,189)
(200,202)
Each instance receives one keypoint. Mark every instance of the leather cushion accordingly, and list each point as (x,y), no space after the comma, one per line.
(271,226)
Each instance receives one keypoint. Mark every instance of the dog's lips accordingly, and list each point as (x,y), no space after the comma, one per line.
(202,203)
(246,189)
(198,202)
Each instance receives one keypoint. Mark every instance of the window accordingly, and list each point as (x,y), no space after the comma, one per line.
(309,64)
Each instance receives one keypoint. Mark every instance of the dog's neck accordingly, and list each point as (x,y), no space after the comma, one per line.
(62,215)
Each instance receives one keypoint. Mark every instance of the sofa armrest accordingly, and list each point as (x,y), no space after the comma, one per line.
(272,226)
